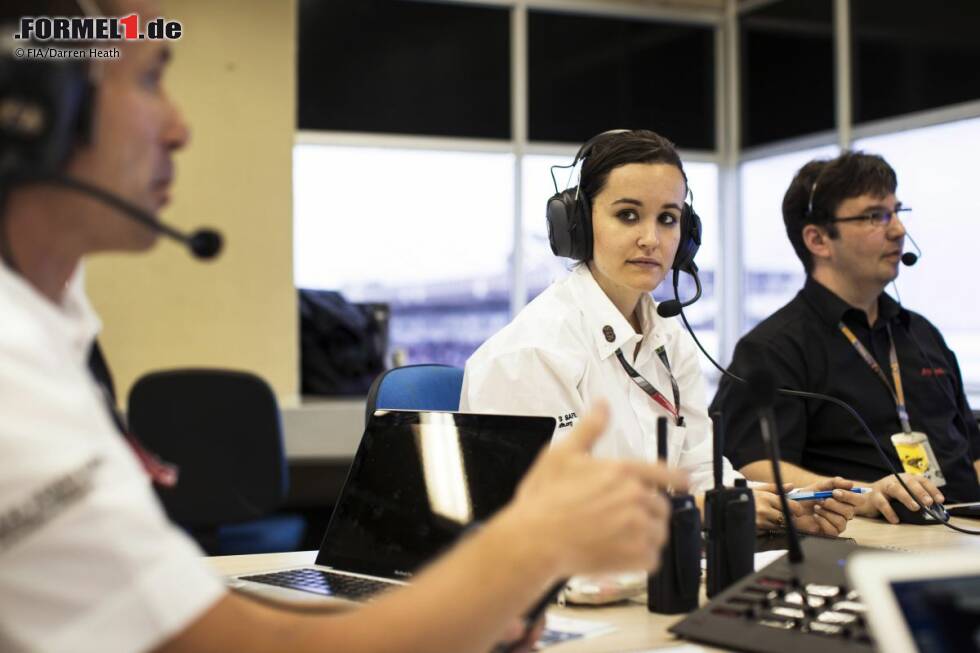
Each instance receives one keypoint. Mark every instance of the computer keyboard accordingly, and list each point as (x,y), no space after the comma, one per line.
(326,583)
(773,611)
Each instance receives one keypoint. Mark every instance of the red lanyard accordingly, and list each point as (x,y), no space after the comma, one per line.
(898,394)
(672,408)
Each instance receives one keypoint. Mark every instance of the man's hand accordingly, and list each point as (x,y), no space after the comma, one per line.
(596,515)
(520,638)
(888,487)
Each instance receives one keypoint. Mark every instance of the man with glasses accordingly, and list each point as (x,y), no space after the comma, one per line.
(842,335)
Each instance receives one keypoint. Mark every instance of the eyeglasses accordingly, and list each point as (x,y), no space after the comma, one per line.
(877,217)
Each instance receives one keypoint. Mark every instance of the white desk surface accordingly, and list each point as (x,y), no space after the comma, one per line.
(636,628)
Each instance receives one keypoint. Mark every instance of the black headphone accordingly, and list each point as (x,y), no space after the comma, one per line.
(570,219)
(45,112)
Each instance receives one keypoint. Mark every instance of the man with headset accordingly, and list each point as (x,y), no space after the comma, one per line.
(842,335)
(87,558)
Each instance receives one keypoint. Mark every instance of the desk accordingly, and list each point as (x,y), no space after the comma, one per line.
(637,629)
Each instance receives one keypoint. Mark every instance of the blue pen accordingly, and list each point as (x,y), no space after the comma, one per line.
(823,494)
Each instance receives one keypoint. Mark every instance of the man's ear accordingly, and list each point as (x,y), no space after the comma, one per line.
(817,240)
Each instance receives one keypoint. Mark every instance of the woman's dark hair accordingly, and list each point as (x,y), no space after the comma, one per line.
(622,148)
(826,183)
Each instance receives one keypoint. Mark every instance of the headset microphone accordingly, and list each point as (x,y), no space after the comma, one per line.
(203,243)
(908,258)
(673,307)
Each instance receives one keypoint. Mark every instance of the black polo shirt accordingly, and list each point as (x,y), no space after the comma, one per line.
(803,347)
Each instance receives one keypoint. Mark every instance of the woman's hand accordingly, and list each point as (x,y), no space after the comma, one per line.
(827,517)
(768,511)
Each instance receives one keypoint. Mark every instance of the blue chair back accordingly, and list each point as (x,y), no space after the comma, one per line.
(416,387)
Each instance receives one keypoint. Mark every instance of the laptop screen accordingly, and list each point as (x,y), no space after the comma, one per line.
(943,614)
(419,479)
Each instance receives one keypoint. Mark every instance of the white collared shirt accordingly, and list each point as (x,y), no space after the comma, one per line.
(88,560)
(555,359)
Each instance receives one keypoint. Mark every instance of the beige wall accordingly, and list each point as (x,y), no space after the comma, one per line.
(234,77)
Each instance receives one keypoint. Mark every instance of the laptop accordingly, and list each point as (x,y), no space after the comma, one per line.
(418,481)
(926,602)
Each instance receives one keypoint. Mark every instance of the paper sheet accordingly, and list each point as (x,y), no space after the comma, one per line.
(559,629)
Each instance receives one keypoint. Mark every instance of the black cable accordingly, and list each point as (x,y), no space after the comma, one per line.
(837,402)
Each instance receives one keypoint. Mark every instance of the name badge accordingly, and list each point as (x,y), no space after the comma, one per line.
(917,457)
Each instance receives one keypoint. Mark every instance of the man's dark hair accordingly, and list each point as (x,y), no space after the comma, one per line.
(828,182)
(615,150)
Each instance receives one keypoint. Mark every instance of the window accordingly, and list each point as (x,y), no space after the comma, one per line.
(541,267)
(588,74)
(787,70)
(908,58)
(392,66)
(418,229)
(773,273)
(936,170)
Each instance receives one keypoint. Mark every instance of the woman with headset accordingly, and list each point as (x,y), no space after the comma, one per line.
(597,332)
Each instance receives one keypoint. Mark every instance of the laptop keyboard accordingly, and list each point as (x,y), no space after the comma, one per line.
(326,583)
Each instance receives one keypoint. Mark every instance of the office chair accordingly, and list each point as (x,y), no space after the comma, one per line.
(223,431)
(416,387)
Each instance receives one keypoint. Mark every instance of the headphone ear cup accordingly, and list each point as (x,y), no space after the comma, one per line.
(690,239)
(582,250)
(560,214)
(569,225)
(48,112)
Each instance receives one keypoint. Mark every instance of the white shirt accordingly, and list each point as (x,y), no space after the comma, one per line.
(88,560)
(554,359)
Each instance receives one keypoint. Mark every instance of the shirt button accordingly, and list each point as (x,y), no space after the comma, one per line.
(609,333)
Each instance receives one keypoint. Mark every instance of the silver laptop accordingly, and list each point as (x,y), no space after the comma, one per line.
(419,479)
(926,602)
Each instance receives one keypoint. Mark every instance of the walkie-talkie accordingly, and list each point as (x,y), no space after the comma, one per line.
(674,587)
(729,515)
